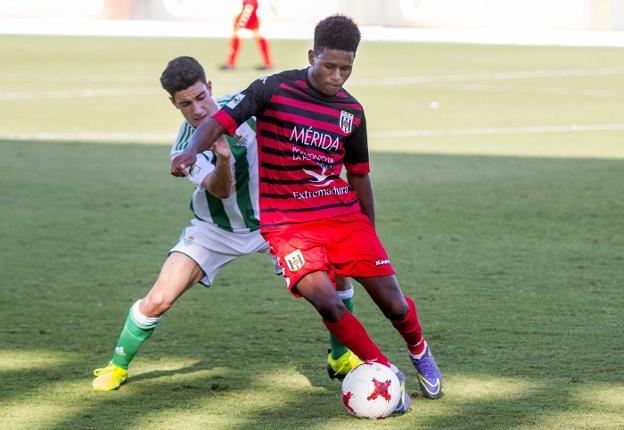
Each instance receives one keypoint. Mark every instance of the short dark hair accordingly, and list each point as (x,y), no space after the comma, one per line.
(337,32)
(181,73)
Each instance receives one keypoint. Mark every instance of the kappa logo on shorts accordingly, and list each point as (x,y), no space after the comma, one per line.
(295,260)
(381,262)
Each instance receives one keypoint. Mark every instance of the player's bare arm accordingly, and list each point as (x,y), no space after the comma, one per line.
(203,139)
(219,182)
(362,185)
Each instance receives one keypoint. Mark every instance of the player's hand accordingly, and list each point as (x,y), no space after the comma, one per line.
(181,164)
(222,149)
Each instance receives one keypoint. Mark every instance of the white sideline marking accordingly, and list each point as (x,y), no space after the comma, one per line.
(93,137)
(363,82)
(496,76)
(89,92)
(571,128)
(73,78)
(169,137)
(485,88)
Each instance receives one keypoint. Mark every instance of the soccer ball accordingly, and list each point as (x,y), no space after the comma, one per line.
(371,390)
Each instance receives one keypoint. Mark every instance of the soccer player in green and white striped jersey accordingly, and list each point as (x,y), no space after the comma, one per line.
(225,224)
(237,213)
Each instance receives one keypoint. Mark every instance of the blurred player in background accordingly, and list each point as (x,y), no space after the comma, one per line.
(225,224)
(248,19)
(309,128)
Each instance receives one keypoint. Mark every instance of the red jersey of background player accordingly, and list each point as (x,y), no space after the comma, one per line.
(304,139)
(248,18)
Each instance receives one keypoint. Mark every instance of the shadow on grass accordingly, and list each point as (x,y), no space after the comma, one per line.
(153,399)
(515,265)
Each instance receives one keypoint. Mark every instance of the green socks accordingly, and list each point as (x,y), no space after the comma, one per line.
(337,348)
(137,329)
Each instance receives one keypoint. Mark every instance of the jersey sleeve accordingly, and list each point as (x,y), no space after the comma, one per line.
(204,165)
(205,162)
(250,102)
(356,150)
(182,139)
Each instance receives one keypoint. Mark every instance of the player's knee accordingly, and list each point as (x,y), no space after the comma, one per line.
(155,304)
(331,310)
(396,310)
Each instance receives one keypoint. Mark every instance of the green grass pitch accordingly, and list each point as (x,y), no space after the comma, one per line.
(499,181)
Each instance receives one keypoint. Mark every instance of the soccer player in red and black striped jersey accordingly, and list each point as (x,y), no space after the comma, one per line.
(308,128)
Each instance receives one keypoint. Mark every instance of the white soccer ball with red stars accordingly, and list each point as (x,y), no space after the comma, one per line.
(371,390)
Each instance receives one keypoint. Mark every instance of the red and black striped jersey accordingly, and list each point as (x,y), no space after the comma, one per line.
(304,140)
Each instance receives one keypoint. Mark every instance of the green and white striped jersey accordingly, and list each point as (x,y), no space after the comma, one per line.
(238,213)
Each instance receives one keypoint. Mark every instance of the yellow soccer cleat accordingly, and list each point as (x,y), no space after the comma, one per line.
(109,378)
(338,368)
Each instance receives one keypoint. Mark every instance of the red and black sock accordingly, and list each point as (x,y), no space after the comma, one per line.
(410,329)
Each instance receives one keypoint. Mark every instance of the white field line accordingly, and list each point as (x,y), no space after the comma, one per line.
(126,92)
(474,77)
(93,137)
(88,92)
(484,88)
(241,80)
(363,82)
(121,137)
(70,78)
(571,128)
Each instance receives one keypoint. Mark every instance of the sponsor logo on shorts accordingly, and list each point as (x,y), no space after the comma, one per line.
(295,260)
(381,262)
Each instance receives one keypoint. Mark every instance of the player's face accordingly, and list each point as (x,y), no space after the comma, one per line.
(195,102)
(330,69)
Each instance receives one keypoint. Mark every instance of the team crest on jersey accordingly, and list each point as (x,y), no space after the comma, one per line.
(235,101)
(295,260)
(346,122)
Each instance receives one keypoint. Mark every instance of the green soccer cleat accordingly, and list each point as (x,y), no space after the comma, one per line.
(109,378)
(338,368)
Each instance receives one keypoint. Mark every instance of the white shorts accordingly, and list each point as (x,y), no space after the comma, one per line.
(212,247)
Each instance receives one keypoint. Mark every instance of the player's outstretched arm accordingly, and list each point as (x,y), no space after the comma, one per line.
(202,140)
(362,185)
(219,182)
